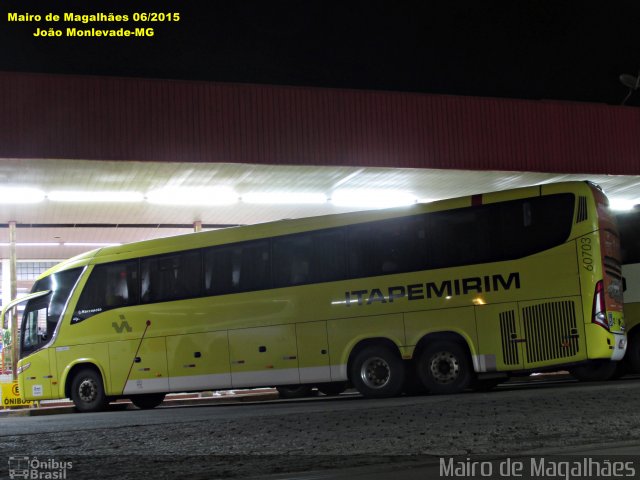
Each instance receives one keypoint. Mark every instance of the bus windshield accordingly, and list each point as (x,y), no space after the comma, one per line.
(42,314)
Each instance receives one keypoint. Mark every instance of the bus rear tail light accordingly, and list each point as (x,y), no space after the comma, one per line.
(599,314)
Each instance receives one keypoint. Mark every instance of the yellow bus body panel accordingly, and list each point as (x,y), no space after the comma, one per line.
(306,334)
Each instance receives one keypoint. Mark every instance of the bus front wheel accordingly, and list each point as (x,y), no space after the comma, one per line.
(87,391)
(444,367)
(147,401)
(377,372)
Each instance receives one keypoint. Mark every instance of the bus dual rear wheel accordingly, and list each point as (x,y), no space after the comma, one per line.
(377,372)
(87,391)
(444,367)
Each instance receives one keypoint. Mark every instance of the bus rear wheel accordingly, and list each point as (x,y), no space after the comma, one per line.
(87,391)
(377,372)
(147,401)
(444,367)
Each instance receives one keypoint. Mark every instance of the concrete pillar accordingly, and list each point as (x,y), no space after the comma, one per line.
(13,260)
(6,298)
(14,294)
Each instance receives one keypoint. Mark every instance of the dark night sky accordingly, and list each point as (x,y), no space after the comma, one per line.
(534,49)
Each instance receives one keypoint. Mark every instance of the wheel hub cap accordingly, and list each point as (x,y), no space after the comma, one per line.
(444,367)
(87,390)
(375,372)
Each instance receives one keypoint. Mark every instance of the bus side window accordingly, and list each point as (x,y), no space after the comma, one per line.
(387,246)
(240,267)
(171,277)
(329,257)
(110,285)
(312,257)
(539,223)
(291,260)
(458,237)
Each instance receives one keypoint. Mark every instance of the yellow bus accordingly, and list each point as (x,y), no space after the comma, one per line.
(452,294)
(629,224)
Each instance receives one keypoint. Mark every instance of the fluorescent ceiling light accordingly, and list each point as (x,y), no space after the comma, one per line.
(89,244)
(36,244)
(193,196)
(80,196)
(62,244)
(620,204)
(20,195)
(284,198)
(372,198)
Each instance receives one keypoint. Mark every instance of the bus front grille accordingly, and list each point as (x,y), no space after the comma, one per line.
(550,331)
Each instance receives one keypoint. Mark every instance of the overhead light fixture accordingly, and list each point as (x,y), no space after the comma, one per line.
(193,196)
(18,195)
(89,244)
(622,205)
(87,196)
(35,244)
(369,198)
(62,244)
(294,198)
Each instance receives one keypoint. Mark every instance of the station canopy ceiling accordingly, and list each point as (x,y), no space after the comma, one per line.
(66,207)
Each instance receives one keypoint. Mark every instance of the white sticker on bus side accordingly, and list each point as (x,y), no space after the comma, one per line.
(36,390)
(62,349)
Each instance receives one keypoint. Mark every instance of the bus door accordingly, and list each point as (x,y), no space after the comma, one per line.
(500,338)
(37,333)
(139,366)
(199,361)
(264,356)
(313,352)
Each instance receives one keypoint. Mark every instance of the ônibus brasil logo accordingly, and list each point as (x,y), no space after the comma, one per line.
(21,467)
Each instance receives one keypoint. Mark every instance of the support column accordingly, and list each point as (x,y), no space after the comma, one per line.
(14,294)
(197,226)
(13,260)
(6,298)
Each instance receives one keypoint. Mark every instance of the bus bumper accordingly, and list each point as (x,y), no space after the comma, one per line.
(619,347)
(604,345)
